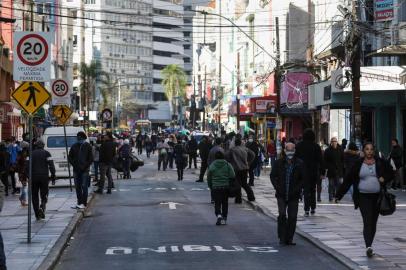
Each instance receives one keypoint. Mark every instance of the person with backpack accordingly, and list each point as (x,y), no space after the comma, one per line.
(219,175)
(81,158)
(108,150)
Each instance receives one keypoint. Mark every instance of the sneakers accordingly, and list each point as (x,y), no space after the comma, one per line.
(224,221)
(78,206)
(41,214)
(370,252)
(313,211)
(306,213)
(219,218)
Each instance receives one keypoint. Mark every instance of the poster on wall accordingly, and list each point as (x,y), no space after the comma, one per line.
(295,89)
(384,10)
(325,114)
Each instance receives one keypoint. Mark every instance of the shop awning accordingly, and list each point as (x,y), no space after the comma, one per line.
(391,50)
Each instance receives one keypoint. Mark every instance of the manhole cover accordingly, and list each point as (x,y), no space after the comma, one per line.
(402,240)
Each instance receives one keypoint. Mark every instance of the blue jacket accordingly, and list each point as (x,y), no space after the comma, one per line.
(13,151)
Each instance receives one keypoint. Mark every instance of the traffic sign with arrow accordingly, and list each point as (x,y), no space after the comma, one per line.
(31,96)
(63,113)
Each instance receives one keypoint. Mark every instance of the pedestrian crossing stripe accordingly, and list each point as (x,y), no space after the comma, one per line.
(31,96)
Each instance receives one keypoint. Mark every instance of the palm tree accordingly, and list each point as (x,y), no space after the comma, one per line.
(174,83)
(89,73)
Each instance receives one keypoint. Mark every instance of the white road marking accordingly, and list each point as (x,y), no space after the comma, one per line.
(172,205)
(119,251)
(147,189)
(190,248)
(197,189)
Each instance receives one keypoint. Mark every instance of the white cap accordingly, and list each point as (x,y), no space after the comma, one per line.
(126,141)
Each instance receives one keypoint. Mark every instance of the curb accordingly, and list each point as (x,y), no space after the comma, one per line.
(56,251)
(330,251)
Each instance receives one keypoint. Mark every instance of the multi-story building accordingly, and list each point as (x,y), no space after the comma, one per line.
(118,35)
(168,40)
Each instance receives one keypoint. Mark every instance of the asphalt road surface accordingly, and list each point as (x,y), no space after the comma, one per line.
(155,222)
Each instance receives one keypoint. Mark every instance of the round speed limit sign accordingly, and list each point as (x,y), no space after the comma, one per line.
(32,49)
(60,88)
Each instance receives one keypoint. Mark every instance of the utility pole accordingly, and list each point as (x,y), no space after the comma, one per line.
(219,89)
(356,74)
(277,86)
(352,61)
(238,91)
(205,75)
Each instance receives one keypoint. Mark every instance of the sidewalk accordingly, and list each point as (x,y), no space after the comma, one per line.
(48,236)
(337,229)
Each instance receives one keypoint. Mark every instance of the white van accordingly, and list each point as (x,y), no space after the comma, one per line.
(54,141)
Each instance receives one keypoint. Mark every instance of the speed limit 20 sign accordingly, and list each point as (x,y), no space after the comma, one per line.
(32,57)
(61,92)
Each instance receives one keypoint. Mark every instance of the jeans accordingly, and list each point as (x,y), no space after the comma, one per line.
(81,186)
(193,157)
(287,226)
(162,159)
(170,160)
(2,255)
(13,180)
(241,180)
(251,173)
(333,184)
(319,187)
(220,197)
(23,193)
(105,170)
(39,187)
(370,213)
(96,165)
(203,168)
(258,169)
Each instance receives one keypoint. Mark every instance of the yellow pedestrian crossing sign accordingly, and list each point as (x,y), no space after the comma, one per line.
(63,113)
(31,96)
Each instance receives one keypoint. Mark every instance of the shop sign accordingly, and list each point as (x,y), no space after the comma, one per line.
(384,10)
(271,124)
(265,106)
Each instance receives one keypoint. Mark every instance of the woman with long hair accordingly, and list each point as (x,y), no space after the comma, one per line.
(367,176)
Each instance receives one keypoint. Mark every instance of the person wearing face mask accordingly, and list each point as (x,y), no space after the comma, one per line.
(367,176)
(81,158)
(287,177)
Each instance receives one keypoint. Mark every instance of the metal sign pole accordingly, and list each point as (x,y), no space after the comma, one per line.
(30,182)
(67,157)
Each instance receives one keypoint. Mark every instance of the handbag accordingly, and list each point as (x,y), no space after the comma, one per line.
(386,202)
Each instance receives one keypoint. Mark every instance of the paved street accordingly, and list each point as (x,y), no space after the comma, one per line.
(156,222)
(13,226)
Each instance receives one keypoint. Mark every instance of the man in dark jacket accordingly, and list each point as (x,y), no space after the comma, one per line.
(4,166)
(204,149)
(241,157)
(396,155)
(334,164)
(192,151)
(42,165)
(310,153)
(288,177)
(254,146)
(81,158)
(107,154)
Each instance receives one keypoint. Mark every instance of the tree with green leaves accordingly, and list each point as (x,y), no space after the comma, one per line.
(89,74)
(174,82)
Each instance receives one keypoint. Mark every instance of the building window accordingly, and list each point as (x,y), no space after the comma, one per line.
(160,97)
(186,47)
(186,60)
(187,34)
(156,81)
